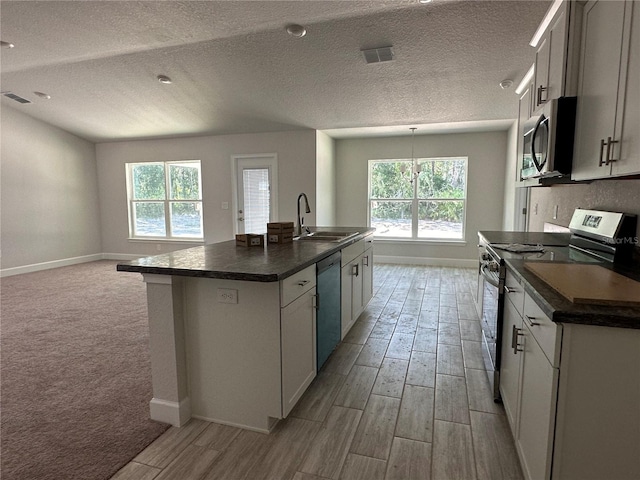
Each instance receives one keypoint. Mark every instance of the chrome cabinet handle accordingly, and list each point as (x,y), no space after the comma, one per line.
(515,333)
(355,270)
(608,158)
(509,289)
(303,283)
(530,320)
(602,144)
(539,95)
(315,303)
(365,260)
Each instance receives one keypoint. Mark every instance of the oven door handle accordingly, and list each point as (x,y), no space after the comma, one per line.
(488,277)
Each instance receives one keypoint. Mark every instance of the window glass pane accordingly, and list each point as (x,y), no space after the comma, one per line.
(148,181)
(184,179)
(388,180)
(149,219)
(391,219)
(256,199)
(186,219)
(442,179)
(440,219)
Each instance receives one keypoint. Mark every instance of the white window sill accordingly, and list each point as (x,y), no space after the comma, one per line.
(165,240)
(421,241)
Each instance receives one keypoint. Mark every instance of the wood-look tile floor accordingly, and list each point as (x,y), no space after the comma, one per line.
(403,397)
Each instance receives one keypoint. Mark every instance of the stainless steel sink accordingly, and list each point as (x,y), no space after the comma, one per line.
(326,236)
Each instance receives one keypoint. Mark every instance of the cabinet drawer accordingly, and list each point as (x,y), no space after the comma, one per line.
(368,242)
(297,284)
(514,291)
(547,334)
(352,251)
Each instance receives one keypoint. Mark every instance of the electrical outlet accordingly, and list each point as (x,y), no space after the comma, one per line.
(158,247)
(227,295)
(225,205)
(535,209)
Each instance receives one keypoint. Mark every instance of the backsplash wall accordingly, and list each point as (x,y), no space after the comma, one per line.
(612,195)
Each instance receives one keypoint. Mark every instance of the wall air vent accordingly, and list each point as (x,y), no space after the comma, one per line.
(380,54)
(15,97)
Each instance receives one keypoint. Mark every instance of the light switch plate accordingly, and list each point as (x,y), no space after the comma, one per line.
(227,295)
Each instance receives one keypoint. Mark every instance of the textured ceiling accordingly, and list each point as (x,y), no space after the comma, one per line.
(235,70)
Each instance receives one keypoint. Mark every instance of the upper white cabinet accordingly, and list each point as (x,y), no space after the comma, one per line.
(607,124)
(551,60)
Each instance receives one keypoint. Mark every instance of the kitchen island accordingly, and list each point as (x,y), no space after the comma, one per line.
(232,329)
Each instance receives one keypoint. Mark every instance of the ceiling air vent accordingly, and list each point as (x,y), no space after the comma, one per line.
(15,97)
(380,54)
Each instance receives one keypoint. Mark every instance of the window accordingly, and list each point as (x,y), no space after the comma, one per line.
(431,207)
(165,200)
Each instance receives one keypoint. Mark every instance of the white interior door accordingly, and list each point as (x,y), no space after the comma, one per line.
(256,197)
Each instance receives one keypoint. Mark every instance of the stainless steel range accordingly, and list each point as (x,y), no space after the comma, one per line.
(596,236)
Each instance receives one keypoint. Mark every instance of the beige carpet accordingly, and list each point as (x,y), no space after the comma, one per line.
(75,373)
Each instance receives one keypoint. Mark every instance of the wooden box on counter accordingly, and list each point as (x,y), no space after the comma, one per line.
(249,240)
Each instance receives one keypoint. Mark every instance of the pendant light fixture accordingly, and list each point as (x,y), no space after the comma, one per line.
(415,166)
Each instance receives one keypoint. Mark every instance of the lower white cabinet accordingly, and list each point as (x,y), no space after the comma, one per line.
(537,410)
(571,393)
(529,380)
(356,280)
(298,345)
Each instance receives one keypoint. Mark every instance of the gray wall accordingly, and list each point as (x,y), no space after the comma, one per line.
(325,179)
(487,153)
(614,195)
(49,193)
(296,153)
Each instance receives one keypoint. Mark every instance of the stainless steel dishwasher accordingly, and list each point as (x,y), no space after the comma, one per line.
(328,314)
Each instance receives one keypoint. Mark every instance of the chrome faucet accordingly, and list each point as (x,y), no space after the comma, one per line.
(307,209)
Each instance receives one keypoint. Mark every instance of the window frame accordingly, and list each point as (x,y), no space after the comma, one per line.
(166,202)
(415,200)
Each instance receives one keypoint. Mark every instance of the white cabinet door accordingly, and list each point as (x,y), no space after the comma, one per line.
(629,161)
(367,277)
(346,299)
(538,398)
(511,363)
(298,344)
(357,283)
(550,64)
(601,87)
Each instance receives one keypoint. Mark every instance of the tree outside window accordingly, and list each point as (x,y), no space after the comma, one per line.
(165,200)
(431,207)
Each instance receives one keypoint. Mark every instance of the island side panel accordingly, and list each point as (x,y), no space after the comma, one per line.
(233,352)
(170,402)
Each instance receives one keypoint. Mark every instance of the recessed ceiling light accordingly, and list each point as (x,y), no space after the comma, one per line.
(504,84)
(164,79)
(4,44)
(425,1)
(296,30)
(43,95)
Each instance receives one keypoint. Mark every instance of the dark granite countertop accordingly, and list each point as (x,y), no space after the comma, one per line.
(527,238)
(561,310)
(225,260)
(557,307)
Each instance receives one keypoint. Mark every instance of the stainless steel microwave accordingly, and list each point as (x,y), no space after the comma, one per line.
(548,140)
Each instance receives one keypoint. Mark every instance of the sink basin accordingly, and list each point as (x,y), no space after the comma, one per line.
(326,236)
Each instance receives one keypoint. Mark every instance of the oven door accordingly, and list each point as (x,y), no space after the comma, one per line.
(491,323)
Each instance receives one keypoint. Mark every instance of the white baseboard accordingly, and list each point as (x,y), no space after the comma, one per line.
(436,262)
(173,413)
(122,256)
(7,272)
(36,267)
